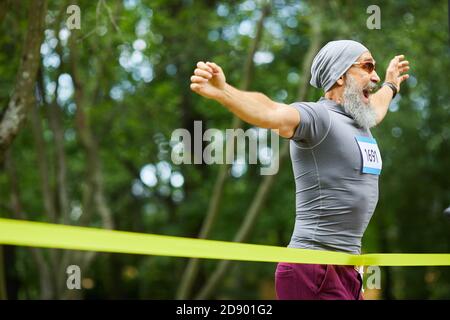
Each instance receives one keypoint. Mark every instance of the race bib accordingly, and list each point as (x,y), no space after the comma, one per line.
(370,154)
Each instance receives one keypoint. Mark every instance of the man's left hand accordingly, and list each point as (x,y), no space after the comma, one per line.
(396,69)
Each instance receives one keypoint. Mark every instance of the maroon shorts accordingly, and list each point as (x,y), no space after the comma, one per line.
(317,282)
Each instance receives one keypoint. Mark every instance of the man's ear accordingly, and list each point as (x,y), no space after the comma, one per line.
(340,81)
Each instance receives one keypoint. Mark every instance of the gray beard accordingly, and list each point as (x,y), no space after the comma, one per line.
(363,113)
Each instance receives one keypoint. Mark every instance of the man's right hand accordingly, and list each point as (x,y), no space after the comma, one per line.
(252,107)
(208,80)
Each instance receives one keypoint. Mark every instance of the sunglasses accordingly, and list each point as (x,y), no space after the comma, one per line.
(368,66)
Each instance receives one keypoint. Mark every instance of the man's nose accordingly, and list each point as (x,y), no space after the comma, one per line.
(374,77)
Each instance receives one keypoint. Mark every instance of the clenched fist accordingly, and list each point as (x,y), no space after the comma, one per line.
(208,80)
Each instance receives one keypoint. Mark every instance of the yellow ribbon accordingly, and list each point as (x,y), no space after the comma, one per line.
(46,235)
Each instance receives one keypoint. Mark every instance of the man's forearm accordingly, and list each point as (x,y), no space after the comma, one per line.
(380,101)
(252,107)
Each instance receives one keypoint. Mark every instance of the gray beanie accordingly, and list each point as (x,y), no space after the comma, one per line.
(333,60)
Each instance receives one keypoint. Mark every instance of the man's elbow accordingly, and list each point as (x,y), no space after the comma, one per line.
(284,132)
(285,121)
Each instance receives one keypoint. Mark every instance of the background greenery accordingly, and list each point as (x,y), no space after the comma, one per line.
(95,147)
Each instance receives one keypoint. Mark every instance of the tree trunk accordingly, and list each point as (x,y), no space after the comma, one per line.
(46,285)
(88,143)
(263,190)
(191,270)
(3,295)
(4,7)
(93,194)
(22,98)
(42,164)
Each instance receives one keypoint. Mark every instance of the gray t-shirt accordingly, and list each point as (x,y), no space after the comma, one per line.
(334,199)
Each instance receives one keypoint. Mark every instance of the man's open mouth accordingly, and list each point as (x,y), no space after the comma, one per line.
(367,92)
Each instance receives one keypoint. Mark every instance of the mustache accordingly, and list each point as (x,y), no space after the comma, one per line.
(370,86)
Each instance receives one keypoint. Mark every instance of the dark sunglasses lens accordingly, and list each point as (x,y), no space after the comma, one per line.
(369,66)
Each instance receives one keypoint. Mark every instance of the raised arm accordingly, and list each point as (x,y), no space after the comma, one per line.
(252,107)
(394,74)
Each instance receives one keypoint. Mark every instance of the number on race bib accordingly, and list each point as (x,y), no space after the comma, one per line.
(370,155)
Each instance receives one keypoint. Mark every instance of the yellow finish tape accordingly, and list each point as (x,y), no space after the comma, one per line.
(38,234)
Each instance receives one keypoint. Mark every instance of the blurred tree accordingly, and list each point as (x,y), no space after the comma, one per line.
(13,116)
(103,102)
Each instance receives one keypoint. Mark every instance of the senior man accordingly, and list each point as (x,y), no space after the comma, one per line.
(336,161)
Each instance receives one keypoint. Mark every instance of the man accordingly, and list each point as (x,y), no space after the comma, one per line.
(336,162)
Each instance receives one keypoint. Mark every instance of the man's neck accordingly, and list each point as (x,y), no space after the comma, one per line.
(335,95)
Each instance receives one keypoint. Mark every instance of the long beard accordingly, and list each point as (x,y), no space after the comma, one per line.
(362,112)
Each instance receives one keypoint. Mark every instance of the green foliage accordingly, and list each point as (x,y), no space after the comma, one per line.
(136,96)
